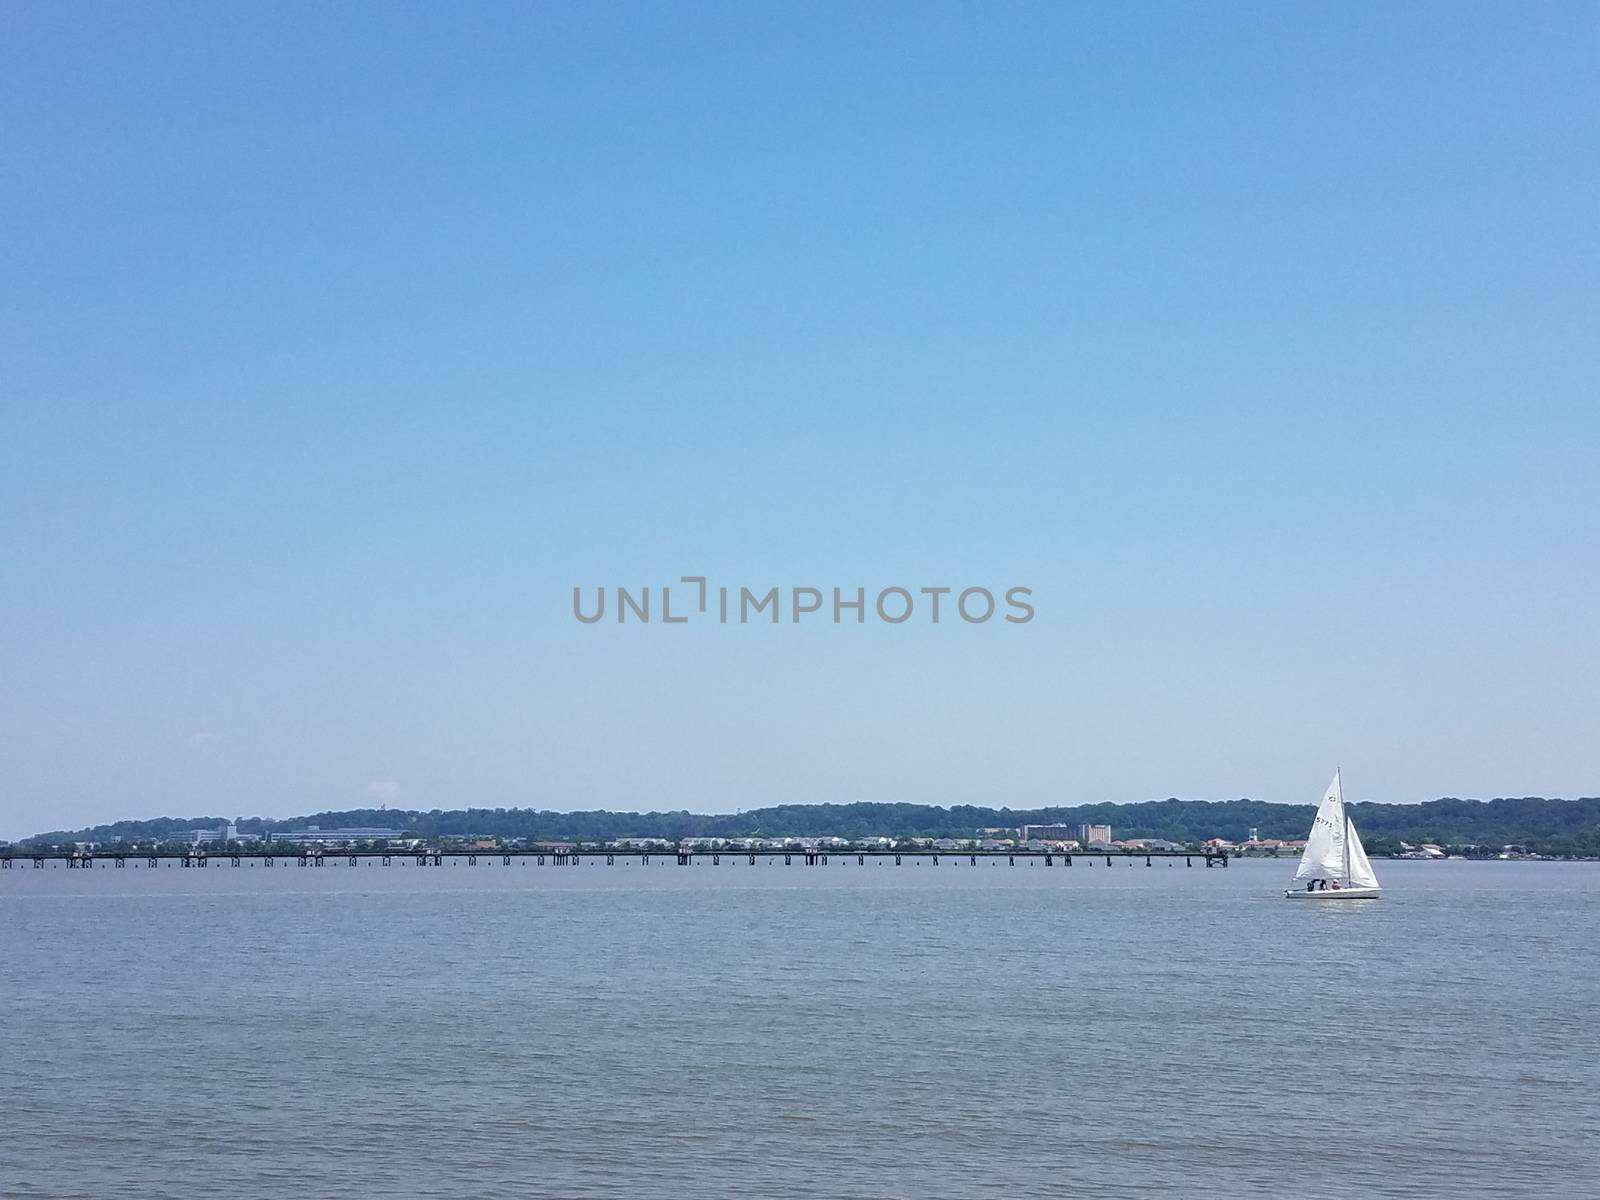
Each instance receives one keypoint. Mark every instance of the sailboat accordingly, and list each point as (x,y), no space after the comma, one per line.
(1334,866)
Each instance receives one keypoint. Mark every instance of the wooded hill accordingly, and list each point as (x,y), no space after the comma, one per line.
(1557,826)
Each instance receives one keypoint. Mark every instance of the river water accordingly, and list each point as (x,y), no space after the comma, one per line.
(789,1031)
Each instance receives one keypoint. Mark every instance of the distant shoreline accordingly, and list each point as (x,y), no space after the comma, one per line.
(201,857)
(1468,828)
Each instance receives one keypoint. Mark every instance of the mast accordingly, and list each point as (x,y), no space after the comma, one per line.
(1345,813)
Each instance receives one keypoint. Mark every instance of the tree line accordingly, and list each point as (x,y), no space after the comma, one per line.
(1548,825)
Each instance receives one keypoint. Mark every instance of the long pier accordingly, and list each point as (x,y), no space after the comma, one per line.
(195,859)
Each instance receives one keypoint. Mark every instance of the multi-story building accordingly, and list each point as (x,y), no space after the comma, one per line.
(222,833)
(1090,834)
(312,834)
(1048,833)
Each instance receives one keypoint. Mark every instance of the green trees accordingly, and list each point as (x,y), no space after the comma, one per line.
(1547,826)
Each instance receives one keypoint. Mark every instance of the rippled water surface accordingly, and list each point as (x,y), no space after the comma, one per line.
(838,1031)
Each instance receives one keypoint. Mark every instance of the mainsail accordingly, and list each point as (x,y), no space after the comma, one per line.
(1324,854)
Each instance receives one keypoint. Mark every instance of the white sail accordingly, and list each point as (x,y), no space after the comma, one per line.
(1324,854)
(1361,875)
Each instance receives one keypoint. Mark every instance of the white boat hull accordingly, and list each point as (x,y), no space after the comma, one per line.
(1333,894)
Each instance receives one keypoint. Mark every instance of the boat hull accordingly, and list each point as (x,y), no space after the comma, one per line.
(1333,894)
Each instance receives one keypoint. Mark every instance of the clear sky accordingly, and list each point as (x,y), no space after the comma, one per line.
(339,342)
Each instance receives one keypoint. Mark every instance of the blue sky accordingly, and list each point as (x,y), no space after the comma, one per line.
(339,343)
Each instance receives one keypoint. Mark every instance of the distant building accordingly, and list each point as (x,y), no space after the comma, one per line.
(1090,834)
(1048,833)
(313,835)
(195,837)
